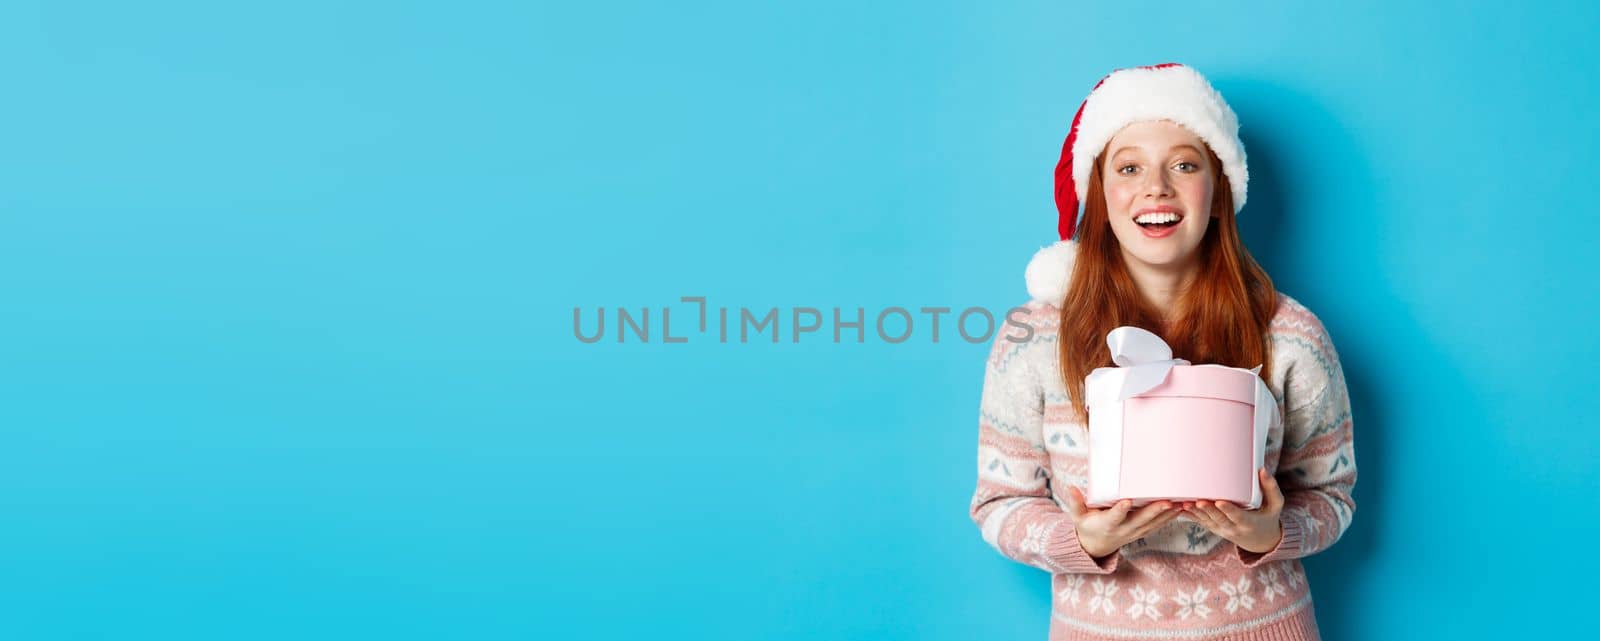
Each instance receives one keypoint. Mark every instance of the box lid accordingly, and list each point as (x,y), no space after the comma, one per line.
(1207,381)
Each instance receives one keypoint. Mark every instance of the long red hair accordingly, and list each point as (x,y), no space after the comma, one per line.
(1221,317)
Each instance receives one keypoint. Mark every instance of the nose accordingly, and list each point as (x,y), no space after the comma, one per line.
(1157,184)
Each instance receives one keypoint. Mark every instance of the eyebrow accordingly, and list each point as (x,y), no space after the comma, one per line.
(1127,147)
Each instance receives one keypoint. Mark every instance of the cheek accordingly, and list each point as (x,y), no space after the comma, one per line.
(1118,196)
(1198,195)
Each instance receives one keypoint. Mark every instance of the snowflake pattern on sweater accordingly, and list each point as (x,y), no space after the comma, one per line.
(1181,580)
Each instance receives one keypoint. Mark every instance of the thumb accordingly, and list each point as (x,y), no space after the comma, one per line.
(1272,494)
(1075,502)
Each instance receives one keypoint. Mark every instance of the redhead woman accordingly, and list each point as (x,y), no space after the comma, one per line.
(1154,157)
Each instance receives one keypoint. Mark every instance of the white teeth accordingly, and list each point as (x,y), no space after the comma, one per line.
(1156,218)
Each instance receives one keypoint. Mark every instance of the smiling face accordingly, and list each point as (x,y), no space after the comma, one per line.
(1158,173)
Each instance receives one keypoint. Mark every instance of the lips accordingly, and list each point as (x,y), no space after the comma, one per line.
(1158,231)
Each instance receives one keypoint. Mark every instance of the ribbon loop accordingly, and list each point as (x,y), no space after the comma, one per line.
(1143,360)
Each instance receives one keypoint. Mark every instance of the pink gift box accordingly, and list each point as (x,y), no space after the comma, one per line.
(1162,429)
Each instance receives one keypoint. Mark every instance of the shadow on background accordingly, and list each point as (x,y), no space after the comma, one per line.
(1288,136)
(1272,119)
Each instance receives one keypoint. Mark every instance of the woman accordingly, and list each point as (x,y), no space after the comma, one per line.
(1154,156)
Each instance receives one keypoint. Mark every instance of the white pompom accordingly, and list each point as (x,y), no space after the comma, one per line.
(1049,272)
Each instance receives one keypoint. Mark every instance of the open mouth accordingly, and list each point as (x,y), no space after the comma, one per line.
(1158,221)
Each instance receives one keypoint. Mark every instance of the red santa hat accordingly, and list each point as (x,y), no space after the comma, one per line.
(1168,91)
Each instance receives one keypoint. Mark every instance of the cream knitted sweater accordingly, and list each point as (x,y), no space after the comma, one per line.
(1181,581)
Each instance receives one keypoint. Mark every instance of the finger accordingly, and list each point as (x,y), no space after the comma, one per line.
(1147,530)
(1202,519)
(1156,523)
(1212,513)
(1273,494)
(1231,512)
(1149,513)
(1119,513)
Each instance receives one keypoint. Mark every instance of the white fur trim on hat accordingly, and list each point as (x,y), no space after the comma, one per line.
(1050,270)
(1176,93)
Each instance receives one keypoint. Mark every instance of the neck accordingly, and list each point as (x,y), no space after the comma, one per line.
(1162,285)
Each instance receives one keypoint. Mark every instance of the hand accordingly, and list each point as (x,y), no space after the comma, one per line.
(1102,532)
(1252,530)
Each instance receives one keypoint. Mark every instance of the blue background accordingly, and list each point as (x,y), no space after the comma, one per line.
(288,288)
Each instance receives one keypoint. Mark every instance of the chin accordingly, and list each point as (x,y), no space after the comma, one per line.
(1164,259)
(1161,262)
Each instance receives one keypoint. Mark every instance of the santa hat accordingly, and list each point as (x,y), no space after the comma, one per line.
(1167,91)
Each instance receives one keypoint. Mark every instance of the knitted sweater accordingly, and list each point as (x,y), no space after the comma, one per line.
(1180,581)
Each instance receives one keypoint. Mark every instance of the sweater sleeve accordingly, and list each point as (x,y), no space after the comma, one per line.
(1317,463)
(1013,506)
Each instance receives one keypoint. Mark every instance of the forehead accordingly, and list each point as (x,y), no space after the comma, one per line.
(1153,136)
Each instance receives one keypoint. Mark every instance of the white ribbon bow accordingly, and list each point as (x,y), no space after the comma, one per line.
(1143,360)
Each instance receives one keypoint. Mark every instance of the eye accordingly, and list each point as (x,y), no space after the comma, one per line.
(1124,169)
(1188,167)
